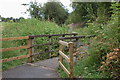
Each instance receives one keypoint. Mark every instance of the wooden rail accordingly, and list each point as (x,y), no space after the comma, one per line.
(49,35)
(76,37)
(63,43)
(14,38)
(14,48)
(68,59)
(30,46)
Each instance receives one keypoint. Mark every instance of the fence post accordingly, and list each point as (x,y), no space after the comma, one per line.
(71,59)
(50,46)
(29,50)
(60,57)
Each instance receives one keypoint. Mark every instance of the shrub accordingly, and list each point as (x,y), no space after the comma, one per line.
(112,63)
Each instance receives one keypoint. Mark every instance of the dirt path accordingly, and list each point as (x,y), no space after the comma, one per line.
(43,69)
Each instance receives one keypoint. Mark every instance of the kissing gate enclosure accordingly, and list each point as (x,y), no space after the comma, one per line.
(31,50)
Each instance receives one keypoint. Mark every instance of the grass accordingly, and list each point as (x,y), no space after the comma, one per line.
(24,28)
(84,68)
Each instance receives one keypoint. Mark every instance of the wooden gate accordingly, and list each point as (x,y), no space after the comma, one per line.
(69,58)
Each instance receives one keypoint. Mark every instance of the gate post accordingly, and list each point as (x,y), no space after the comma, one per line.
(71,59)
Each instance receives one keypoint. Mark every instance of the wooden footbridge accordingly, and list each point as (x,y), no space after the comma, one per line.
(71,41)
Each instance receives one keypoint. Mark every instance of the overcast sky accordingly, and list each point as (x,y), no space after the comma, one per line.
(13,8)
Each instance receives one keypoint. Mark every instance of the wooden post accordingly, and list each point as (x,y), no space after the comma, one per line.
(32,58)
(29,50)
(50,46)
(60,57)
(71,59)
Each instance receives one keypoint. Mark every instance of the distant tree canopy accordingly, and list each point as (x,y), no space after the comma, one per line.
(52,11)
(55,11)
(90,11)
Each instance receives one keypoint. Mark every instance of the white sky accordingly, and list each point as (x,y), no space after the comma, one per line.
(13,8)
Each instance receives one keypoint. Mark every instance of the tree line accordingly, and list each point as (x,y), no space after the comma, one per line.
(99,12)
(10,19)
(83,12)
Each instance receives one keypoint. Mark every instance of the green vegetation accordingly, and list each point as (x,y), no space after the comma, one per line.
(100,19)
(24,28)
(107,39)
(52,11)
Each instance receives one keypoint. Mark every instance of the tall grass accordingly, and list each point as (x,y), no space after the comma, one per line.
(24,28)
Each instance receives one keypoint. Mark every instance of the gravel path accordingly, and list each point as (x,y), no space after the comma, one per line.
(43,69)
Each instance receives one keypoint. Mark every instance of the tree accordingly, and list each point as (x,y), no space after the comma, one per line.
(89,12)
(55,11)
(52,11)
(35,10)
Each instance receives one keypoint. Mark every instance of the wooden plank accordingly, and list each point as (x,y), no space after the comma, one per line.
(14,38)
(64,56)
(71,59)
(64,68)
(14,48)
(63,43)
(14,58)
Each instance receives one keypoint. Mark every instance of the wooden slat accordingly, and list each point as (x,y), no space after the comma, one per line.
(64,68)
(63,43)
(14,48)
(14,58)
(64,56)
(14,38)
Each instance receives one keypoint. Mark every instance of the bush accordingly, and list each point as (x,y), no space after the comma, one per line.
(112,64)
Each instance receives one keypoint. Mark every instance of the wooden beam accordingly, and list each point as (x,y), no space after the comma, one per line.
(63,43)
(14,48)
(64,56)
(14,58)
(64,68)
(14,38)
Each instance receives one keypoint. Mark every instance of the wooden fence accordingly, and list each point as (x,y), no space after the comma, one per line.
(30,46)
(69,58)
